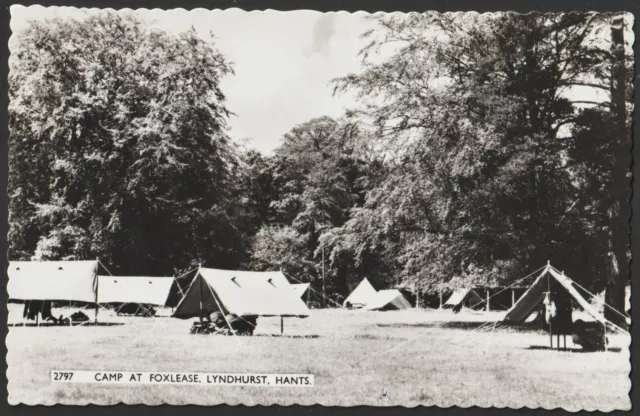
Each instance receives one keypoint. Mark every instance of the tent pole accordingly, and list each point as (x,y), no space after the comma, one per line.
(605,338)
(549,309)
(281,325)
(201,320)
(440,293)
(488,307)
(324,291)
(97,288)
(513,297)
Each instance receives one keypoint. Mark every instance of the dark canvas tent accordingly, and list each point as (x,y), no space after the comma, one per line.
(242,293)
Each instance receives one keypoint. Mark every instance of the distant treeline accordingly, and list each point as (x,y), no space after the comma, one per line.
(472,160)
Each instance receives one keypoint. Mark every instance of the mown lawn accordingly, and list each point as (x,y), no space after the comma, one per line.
(355,356)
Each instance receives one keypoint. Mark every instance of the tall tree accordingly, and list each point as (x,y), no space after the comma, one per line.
(478,108)
(118,147)
(317,174)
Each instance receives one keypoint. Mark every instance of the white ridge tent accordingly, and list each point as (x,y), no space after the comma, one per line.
(387,300)
(300,288)
(53,280)
(134,289)
(462,296)
(243,293)
(537,292)
(361,295)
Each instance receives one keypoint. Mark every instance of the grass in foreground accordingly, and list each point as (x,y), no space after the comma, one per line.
(356,356)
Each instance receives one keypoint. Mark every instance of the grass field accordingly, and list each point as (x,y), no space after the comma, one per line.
(354,355)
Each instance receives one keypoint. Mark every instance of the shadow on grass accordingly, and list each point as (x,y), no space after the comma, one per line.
(488,325)
(574,350)
(287,336)
(50,324)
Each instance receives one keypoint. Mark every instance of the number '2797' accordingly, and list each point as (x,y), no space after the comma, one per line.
(67,376)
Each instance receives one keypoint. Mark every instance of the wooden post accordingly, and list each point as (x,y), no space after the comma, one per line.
(417,300)
(281,325)
(440,293)
(513,297)
(488,306)
(605,338)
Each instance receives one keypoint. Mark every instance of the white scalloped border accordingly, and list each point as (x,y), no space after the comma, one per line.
(285,402)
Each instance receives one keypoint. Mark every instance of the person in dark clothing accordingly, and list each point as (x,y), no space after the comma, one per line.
(34,307)
(589,335)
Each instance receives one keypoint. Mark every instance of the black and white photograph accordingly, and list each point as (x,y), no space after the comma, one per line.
(296,208)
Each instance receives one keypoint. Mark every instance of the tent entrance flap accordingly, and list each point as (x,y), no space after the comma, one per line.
(199,291)
(550,280)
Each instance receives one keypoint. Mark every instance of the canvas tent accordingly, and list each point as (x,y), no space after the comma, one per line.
(361,295)
(300,289)
(463,297)
(532,298)
(134,289)
(53,280)
(242,293)
(390,299)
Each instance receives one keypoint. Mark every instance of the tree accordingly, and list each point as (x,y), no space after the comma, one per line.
(478,111)
(317,175)
(124,128)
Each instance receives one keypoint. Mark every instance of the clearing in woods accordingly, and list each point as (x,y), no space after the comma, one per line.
(358,358)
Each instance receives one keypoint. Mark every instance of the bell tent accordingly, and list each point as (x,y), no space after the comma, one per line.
(385,300)
(361,295)
(242,293)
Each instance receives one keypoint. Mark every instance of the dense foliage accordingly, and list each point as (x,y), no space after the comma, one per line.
(118,147)
(469,162)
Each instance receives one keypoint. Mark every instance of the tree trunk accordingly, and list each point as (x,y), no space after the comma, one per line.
(619,214)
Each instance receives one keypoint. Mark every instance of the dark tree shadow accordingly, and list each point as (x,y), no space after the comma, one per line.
(489,325)
(574,350)
(51,324)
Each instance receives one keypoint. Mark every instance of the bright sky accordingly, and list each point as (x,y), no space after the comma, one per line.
(283,61)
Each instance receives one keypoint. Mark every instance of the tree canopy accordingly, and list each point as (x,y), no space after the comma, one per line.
(124,127)
(473,158)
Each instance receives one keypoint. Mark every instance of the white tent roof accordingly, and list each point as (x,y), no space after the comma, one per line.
(242,293)
(459,296)
(53,280)
(134,289)
(388,299)
(300,288)
(361,295)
